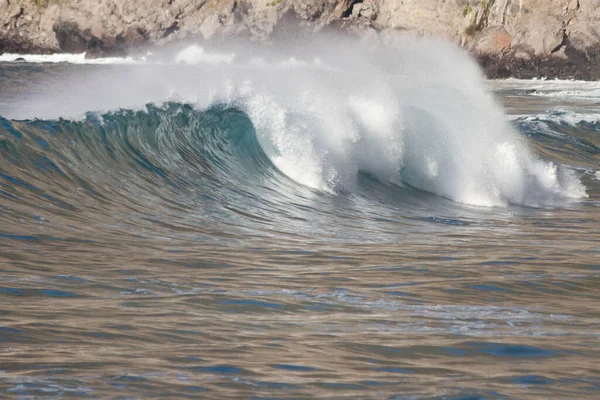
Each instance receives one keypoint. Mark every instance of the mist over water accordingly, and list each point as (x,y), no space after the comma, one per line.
(305,219)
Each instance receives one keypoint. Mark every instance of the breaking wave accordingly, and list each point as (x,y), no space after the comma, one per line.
(410,113)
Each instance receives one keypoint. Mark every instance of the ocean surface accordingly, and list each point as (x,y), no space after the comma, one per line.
(327,220)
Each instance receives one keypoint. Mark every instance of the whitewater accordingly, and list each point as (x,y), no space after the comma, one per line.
(324,217)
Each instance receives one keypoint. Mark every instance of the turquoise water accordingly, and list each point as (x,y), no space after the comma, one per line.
(171,250)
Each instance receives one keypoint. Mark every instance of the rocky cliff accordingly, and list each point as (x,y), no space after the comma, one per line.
(522,38)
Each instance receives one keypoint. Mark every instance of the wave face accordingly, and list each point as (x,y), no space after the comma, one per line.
(171,163)
(413,113)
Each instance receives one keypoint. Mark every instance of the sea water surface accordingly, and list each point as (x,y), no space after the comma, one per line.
(336,220)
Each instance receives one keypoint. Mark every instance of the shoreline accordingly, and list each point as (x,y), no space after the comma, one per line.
(509,38)
(493,67)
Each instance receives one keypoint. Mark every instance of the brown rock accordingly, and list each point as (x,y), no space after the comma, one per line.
(493,40)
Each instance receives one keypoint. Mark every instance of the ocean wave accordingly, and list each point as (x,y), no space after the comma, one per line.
(69,58)
(413,112)
(567,117)
(554,89)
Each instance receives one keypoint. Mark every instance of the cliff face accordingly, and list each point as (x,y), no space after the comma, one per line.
(509,37)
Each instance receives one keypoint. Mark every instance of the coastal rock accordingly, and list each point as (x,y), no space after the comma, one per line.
(367,9)
(494,40)
(516,36)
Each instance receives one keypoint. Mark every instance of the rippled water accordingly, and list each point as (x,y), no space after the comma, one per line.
(161,252)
